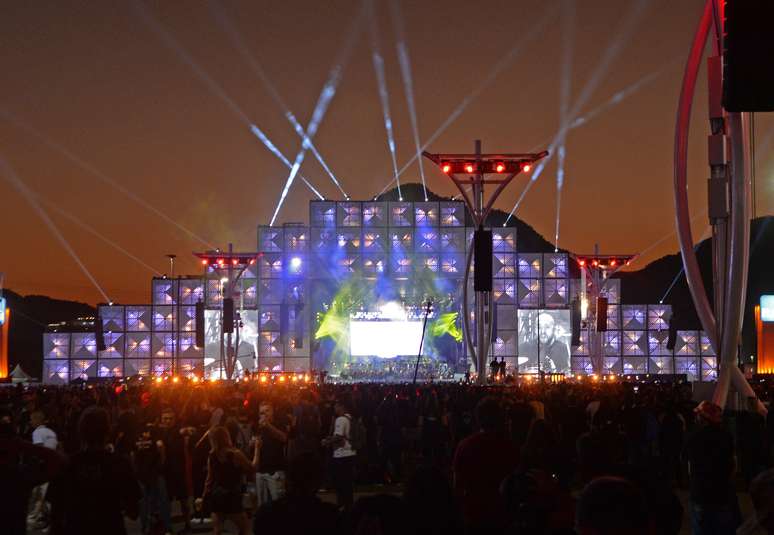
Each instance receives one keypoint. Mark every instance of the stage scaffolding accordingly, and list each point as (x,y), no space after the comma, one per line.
(298,267)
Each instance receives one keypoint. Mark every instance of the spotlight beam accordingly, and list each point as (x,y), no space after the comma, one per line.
(682,268)
(568,37)
(10,175)
(384,97)
(408,83)
(101,176)
(183,54)
(274,150)
(92,230)
(496,70)
(324,100)
(238,42)
(611,53)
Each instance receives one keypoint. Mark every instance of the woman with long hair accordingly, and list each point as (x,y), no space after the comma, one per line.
(226,466)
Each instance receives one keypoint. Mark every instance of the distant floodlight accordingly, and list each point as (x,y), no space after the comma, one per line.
(500,167)
(526,168)
(446,168)
(295,263)
(469,168)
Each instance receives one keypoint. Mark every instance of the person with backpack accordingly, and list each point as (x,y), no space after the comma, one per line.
(344,442)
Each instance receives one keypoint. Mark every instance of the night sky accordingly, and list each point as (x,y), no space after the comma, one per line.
(95,79)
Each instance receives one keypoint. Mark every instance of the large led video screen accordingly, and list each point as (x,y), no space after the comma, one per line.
(248,340)
(544,341)
(385,339)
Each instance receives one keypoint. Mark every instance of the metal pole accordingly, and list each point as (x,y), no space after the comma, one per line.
(230,294)
(478,199)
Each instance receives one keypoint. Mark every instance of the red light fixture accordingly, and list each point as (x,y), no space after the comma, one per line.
(469,168)
(204,262)
(582,263)
(595,263)
(234,261)
(500,167)
(526,167)
(446,168)
(220,261)
(612,262)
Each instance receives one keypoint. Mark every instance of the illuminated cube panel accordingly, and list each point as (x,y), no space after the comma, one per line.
(406,243)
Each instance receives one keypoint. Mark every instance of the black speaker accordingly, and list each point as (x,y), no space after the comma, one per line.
(575,322)
(199,321)
(672,339)
(748,56)
(601,314)
(228,315)
(99,333)
(482,260)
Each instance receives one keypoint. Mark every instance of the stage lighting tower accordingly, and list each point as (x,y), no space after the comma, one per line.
(227,268)
(479,170)
(595,271)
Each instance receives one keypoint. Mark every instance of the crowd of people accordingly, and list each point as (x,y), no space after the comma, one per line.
(540,458)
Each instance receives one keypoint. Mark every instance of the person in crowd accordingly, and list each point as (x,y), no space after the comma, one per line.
(149,459)
(670,441)
(481,462)
(177,465)
(751,440)
(23,467)
(42,435)
(97,488)
(226,469)
(612,506)
(390,437)
(430,502)
(270,479)
(305,432)
(709,451)
(761,522)
(300,511)
(343,456)
(383,514)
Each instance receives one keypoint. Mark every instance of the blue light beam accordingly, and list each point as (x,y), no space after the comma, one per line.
(11,176)
(274,150)
(384,97)
(497,69)
(183,54)
(238,42)
(625,31)
(408,83)
(91,169)
(90,229)
(324,100)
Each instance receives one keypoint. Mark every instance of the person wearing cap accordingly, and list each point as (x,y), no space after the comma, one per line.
(762,494)
(711,465)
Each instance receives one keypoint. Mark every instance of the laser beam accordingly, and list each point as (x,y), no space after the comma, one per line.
(324,100)
(183,54)
(11,176)
(408,83)
(274,150)
(238,42)
(91,169)
(384,97)
(493,73)
(568,36)
(90,229)
(625,31)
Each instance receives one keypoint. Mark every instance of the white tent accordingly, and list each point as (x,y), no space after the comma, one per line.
(20,376)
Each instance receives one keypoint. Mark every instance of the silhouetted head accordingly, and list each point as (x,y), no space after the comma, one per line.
(93,427)
(611,506)
(489,414)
